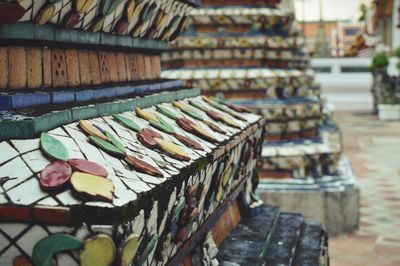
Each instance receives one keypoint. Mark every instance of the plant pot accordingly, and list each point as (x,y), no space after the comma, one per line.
(389,112)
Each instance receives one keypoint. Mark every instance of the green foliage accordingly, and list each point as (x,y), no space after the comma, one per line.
(397,52)
(380,60)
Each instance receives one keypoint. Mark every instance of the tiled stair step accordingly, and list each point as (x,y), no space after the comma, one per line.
(246,244)
(312,245)
(284,240)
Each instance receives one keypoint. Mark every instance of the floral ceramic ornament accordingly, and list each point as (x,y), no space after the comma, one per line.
(99,250)
(126,122)
(55,175)
(81,6)
(91,186)
(191,127)
(215,103)
(45,14)
(53,148)
(107,146)
(45,249)
(129,249)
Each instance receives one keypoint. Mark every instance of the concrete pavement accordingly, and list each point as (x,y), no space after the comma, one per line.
(374,150)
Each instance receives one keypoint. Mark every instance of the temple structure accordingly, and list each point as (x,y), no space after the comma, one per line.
(103,162)
(252,53)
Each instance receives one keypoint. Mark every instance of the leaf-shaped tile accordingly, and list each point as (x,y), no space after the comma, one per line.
(45,249)
(106,146)
(168,112)
(55,175)
(129,249)
(165,128)
(127,122)
(191,143)
(92,186)
(145,114)
(53,148)
(99,250)
(204,134)
(146,139)
(173,150)
(82,6)
(108,6)
(85,166)
(45,14)
(142,166)
(116,142)
(92,130)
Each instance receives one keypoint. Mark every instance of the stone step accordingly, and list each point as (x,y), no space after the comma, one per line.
(313,245)
(274,238)
(246,244)
(285,239)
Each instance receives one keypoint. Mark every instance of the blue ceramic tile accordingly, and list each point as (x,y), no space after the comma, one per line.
(105,93)
(24,100)
(84,96)
(62,96)
(5,102)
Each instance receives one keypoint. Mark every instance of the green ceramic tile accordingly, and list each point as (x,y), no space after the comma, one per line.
(149,248)
(16,129)
(61,35)
(128,105)
(86,112)
(108,39)
(109,108)
(22,30)
(45,33)
(53,148)
(52,120)
(124,41)
(88,37)
(127,122)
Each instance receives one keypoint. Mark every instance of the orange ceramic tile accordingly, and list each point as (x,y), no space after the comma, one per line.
(84,67)
(3,67)
(121,67)
(104,67)
(17,67)
(34,69)
(15,214)
(222,228)
(72,61)
(94,67)
(51,215)
(128,70)
(141,66)
(156,66)
(234,213)
(47,67)
(133,66)
(148,67)
(58,68)
(112,66)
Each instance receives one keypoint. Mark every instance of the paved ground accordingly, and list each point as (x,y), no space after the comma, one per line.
(374,150)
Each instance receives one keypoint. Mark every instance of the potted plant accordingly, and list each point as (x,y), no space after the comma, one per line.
(384,89)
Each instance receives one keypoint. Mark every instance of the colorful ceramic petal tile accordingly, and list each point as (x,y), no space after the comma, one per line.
(146,139)
(145,114)
(81,6)
(53,148)
(70,20)
(190,111)
(92,130)
(121,27)
(92,186)
(214,127)
(116,142)
(130,10)
(174,150)
(99,250)
(55,175)
(202,133)
(152,133)
(98,23)
(161,126)
(129,249)
(198,104)
(189,142)
(142,166)
(45,249)
(108,6)
(214,115)
(106,146)
(85,166)
(237,108)
(168,112)
(126,122)
(185,124)
(45,14)
(149,248)
(10,12)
